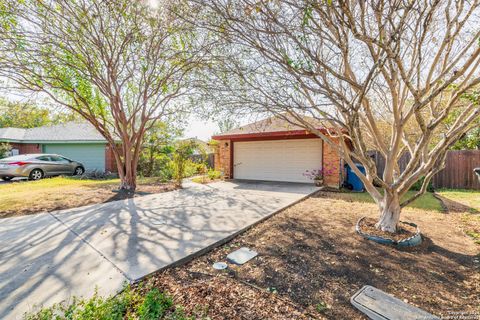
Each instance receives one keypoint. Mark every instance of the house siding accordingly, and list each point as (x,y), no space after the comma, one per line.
(28,148)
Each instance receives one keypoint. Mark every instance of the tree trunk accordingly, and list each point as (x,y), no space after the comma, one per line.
(129,181)
(390,212)
(127,170)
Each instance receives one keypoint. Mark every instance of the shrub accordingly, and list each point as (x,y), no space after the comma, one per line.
(154,306)
(182,166)
(159,165)
(4,150)
(129,304)
(97,307)
(418,185)
(97,175)
(214,174)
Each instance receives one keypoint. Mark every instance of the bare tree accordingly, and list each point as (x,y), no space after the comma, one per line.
(122,65)
(383,75)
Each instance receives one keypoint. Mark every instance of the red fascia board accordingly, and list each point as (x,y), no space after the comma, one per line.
(273,134)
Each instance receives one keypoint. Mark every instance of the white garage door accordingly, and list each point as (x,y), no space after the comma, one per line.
(276,160)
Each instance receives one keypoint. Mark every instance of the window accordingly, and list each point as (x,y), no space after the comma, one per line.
(44,158)
(59,159)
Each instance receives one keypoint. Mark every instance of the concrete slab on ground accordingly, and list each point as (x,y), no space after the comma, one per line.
(378,305)
(142,235)
(70,252)
(41,262)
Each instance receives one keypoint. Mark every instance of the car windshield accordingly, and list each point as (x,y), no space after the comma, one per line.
(17,158)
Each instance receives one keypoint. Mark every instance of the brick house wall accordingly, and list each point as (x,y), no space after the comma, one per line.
(24,148)
(222,158)
(110,164)
(330,157)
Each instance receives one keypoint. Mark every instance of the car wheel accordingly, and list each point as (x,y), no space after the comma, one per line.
(78,171)
(6,178)
(36,174)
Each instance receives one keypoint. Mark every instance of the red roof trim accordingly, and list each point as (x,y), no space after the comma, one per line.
(256,135)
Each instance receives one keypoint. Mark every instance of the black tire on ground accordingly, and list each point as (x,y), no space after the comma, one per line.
(6,178)
(78,171)
(36,174)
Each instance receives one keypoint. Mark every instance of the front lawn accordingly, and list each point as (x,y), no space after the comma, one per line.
(466,202)
(310,257)
(27,197)
(468,198)
(311,262)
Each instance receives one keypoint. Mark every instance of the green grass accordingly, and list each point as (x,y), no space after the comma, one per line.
(63,182)
(425,202)
(469,198)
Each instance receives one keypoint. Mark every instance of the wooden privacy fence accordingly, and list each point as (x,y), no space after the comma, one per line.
(458,172)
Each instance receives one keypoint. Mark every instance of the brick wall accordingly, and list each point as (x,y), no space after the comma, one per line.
(25,148)
(332,160)
(222,157)
(110,164)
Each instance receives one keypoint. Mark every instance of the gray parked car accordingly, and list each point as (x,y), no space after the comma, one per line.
(38,166)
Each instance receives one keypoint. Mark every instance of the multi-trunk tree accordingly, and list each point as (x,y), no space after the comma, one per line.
(122,65)
(392,76)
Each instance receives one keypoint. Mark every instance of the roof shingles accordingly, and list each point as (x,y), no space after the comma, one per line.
(273,124)
(71,131)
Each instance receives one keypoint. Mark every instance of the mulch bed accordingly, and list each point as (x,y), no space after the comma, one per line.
(310,256)
(142,190)
(219,295)
(404,231)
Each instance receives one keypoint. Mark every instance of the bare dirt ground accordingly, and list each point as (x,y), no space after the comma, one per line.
(310,257)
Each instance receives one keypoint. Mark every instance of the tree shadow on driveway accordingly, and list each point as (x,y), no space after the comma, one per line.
(49,257)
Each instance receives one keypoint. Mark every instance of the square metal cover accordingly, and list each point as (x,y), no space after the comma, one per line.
(241,255)
(378,305)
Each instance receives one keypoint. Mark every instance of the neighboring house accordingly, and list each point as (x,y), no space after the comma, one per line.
(79,141)
(275,150)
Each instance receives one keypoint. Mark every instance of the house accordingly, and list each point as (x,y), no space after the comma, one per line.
(275,150)
(202,147)
(79,141)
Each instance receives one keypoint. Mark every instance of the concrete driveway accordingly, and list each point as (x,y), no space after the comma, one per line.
(49,257)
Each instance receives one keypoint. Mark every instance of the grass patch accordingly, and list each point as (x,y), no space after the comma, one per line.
(469,198)
(129,304)
(25,197)
(425,202)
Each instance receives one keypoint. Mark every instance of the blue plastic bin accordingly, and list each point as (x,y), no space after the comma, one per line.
(352,179)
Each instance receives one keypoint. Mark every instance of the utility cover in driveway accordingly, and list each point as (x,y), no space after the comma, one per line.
(378,305)
(241,255)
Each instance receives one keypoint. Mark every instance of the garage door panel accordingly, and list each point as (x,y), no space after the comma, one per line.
(278,160)
(92,156)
